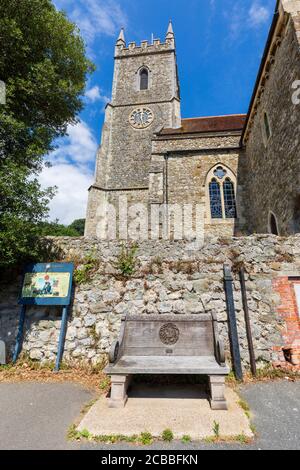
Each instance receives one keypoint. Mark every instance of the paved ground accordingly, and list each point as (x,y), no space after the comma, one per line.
(37,416)
(183,408)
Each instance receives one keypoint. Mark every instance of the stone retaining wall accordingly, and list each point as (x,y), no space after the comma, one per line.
(169,278)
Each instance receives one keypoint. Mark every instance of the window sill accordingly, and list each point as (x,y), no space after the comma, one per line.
(221,221)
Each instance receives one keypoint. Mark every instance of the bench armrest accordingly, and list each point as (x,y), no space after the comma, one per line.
(117,346)
(221,353)
(114,352)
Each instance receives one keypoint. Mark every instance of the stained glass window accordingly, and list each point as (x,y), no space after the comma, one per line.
(144,79)
(229,199)
(215,200)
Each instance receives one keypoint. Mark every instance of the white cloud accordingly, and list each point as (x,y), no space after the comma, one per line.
(70,202)
(241,18)
(258,14)
(94,17)
(72,173)
(95,94)
(79,147)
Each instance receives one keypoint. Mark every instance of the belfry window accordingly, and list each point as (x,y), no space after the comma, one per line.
(222,198)
(144,79)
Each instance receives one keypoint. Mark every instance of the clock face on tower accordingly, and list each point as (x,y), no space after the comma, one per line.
(141,118)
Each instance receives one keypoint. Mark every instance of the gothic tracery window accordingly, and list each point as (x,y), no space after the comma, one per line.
(222,196)
(144,79)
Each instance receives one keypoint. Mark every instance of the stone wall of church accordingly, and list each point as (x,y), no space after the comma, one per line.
(129,152)
(169,277)
(185,175)
(123,160)
(273,167)
(110,213)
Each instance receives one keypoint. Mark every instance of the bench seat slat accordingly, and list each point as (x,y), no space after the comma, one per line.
(181,365)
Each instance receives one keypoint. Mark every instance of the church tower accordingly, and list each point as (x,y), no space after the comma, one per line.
(145,99)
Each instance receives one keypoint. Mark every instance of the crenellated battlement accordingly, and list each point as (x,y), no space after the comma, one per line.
(144,48)
(124,50)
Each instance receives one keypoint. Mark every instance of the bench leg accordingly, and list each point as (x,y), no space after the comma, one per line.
(118,393)
(217,392)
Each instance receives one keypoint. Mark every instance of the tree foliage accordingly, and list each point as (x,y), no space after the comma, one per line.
(44,66)
(55,229)
(79,226)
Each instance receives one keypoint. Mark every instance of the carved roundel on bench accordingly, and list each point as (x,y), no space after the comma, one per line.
(169,334)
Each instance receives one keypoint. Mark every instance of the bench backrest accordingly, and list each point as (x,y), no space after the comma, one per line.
(164,335)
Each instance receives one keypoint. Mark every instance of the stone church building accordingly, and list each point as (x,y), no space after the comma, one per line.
(242,171)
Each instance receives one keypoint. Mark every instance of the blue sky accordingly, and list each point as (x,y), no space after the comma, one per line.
(219,47)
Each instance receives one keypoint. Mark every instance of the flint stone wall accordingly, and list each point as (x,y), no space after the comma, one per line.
(169,278)
(272,168)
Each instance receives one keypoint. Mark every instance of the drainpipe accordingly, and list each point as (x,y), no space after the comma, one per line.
(247,322)
(166,201)
(166,195)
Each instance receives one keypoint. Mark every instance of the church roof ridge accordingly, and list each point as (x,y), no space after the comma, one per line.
(229,122)
(214,117)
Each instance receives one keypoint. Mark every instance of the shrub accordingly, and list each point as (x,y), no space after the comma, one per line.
(83,273)
(127,260)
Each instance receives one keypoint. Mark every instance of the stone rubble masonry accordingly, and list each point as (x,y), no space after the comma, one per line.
(170,277)
(184,176)
(124,156)
(272,169)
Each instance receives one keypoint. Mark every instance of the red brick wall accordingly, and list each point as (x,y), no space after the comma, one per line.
(288,310)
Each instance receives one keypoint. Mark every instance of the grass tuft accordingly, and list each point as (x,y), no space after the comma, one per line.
(146,438)
(186,439)
(216,429)
(167,435)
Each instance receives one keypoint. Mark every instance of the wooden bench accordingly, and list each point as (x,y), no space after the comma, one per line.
(168,344)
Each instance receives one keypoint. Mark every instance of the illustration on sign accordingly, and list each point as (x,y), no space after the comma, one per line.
(46,285)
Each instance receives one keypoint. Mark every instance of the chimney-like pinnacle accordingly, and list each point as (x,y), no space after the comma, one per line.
(170,32)
(121,38)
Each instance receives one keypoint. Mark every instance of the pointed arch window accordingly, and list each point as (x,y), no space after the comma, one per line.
(144,79)
(222,196)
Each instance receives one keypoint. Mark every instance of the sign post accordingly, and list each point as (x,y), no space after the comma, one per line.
(46,285)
